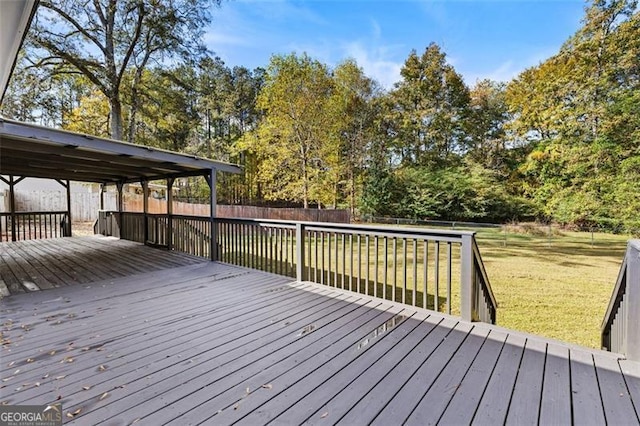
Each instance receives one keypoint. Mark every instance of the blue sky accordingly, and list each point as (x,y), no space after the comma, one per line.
(494,39)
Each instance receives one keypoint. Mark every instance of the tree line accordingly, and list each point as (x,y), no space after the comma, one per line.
(559,142)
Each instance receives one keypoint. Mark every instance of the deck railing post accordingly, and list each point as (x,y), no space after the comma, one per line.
(170,182)
(213,240)
(633,308)
(145,209)
(466,278)
(300,243)
(12,207)
(121,229)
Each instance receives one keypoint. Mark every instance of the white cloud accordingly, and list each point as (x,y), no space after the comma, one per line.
(375,62)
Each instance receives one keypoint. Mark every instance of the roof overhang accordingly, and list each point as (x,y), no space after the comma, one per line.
(15,19)
(33,151)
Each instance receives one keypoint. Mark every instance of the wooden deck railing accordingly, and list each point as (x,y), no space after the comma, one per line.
(620,330)
(435,269)
(438,270)
(32,225)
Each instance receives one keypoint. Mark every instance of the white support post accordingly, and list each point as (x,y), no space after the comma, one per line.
(466,278)
(300,244)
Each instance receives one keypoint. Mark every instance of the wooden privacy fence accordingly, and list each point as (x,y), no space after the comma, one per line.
(235,211)
(85,206)
(434,269)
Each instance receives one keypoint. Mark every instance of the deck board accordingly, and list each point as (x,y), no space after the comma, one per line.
(128,333)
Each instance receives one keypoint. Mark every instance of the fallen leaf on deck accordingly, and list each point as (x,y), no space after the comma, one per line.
(267,386)
(61,377)
(75,413)
(16,372)
(37,384)
(86,387)
(86,348)
(100,349)
(102,368)
(52,352)
(235,407)
(248,391)
(45,376)
(11,363)
(103,396)
(30,359)
(7,379)
(325,414)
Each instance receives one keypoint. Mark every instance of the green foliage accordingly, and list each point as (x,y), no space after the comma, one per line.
(428,109)
(464,193)
(559,142)
(294,141)
(105,39)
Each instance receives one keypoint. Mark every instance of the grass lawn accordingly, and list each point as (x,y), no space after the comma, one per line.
(557,287)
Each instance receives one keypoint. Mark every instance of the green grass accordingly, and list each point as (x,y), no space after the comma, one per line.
(557,287)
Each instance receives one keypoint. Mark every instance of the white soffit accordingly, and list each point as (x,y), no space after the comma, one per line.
(15,18)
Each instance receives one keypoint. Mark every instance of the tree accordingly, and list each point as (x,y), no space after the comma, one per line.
(168,117)
(430,105)
(106,39)
(352,103)
(293,138)
(486,124)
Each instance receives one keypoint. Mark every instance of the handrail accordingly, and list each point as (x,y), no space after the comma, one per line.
(415,266)
(486,292)
(620,332)
(32,225)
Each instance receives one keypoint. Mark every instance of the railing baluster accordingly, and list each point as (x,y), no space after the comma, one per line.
(449,278)
(404,270)
(375,266)
(415,273)
(359,262)
(436,277)
(395,269)
(366,242)
(335,276)
(425,274)
(385,256)
(344,260)
(322,280)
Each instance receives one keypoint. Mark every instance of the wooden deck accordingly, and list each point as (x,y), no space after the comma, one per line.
(33,265)
(208,343)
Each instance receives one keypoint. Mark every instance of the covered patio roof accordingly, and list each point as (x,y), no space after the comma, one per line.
(33,151)
(28,150)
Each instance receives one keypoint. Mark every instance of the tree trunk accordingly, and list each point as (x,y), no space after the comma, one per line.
(116,118)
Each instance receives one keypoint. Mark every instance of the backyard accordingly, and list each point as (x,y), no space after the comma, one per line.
(558,287)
